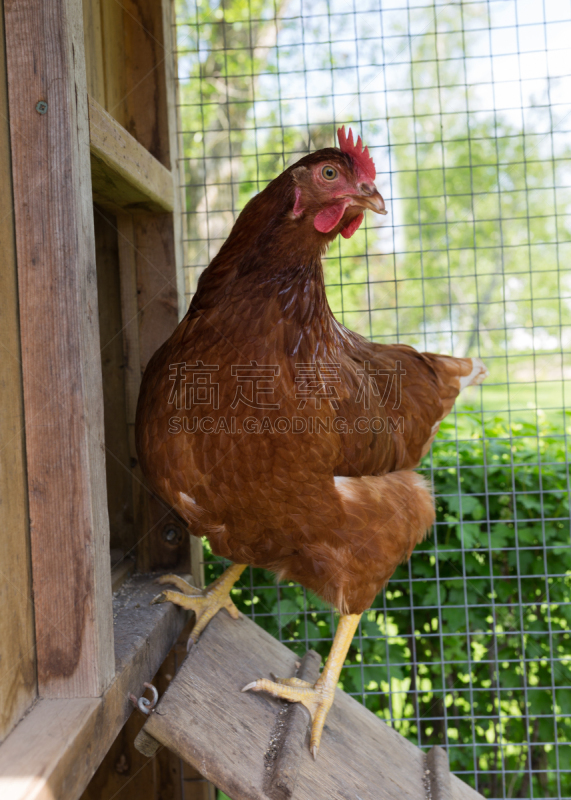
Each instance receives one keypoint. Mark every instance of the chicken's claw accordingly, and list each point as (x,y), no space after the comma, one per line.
(182,585)
(317,698)
(204,602)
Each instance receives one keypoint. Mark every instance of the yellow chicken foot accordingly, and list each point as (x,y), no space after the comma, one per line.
(318,698)
(204,602)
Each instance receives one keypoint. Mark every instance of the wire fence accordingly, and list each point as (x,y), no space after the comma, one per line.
(466,109)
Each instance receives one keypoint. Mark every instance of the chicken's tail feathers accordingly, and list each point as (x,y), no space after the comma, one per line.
(458,373)
(454,375)
(474,372)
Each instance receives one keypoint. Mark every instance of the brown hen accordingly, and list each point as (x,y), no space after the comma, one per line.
(285,438)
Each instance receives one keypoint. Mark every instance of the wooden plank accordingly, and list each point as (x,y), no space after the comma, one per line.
(131,360)
(50,731)
(122,567)
(117,454)
(175,147)
(124,173)
(145,87)
(127,773)
(57,747)
(154,242)
(164,543)
(17,664)
(439,774)
(114,60)
(205,719)
(94,66)
(176,151)
(130,314)
(63,394)
(148,298)
(288,737)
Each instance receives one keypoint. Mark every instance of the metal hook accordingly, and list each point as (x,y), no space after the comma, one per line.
(142,703)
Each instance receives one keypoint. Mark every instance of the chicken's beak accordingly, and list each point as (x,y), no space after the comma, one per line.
(369,197)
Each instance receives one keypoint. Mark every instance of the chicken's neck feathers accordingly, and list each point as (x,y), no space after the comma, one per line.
(288,290)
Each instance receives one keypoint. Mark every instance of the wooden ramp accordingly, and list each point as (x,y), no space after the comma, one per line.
(237,740)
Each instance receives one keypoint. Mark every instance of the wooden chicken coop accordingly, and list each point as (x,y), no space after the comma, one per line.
(91,283)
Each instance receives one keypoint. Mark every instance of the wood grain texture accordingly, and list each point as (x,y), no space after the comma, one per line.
(56,748)
(124,173)
(114,61)
(127,773)
(439,774)
(156,282)
(60,347)
(93,37)
(121,572)
(206,720)
(17,655)
(290,737)
(131,361)
(117,453)
(130,313)
(153,519)
(157,312)
(145,79)
(176,148)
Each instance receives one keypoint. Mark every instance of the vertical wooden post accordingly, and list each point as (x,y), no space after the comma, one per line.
(17,661)
(164,543)
(175,147)
(176,150)
(60,346)
(94,64)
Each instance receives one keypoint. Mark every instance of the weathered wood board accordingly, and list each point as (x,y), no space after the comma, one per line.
(17,653)
(205,719)
(123,173)
(54,751)
(61,363)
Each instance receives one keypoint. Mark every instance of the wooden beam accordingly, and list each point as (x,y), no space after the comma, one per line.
(164,542)
(94,64)
(126,774)
(175,150)
(113,21)
(145,88)
(57,747)
(63,396)
(17,664)
(124,173)
(230,735)
(117,455)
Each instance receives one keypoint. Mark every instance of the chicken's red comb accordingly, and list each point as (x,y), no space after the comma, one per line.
(361,157)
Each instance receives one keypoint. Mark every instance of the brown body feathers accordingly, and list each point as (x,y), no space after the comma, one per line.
(283,437)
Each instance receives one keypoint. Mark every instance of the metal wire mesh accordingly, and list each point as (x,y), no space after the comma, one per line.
(466,109)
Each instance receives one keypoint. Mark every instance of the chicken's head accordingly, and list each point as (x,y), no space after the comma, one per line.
(333,187)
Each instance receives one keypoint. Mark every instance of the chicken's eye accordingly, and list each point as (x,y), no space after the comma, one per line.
(329,173)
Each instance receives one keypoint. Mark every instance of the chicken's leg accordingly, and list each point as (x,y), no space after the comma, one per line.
(318,698)
(204,602)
